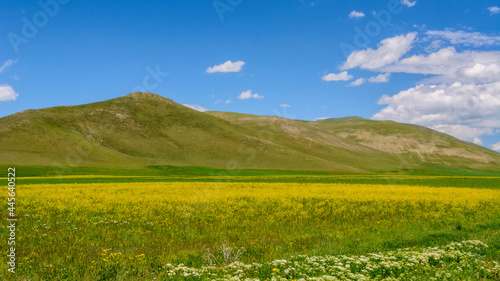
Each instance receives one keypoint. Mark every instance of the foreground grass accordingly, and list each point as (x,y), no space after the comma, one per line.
(456,261)
(108,231)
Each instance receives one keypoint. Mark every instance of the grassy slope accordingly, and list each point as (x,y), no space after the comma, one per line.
(382,146)
(142,130)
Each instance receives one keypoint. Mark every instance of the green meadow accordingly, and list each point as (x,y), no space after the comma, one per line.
(166,223)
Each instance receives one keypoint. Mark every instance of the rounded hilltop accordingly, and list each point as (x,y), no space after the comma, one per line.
(147,95)
(340,119)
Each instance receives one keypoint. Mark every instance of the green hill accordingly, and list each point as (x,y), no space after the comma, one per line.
(144,129)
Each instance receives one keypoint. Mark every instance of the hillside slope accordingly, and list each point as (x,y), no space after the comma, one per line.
(143,129)
(381,144)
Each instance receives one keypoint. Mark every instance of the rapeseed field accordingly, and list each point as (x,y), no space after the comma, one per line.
(146,230)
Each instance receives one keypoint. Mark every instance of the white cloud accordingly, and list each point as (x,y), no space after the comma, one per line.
(465,111)
(248,95)
(285,105)
(462,95)
(196,107)
(447,65)
(408,3)
(496,146)
(463,132)
(389,51)
(228,66)
(474,39)
(356,14)
(494,10)
(482,72)
(321,118)
(7,93)
(451,66)
(381,78)
(6,65)
(228,101)
(435,45)
(342,76)
(358,82)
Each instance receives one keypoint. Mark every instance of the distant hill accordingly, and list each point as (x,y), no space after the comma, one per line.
(144,129)
(347,118)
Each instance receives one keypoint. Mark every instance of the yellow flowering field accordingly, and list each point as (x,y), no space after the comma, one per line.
(142,230)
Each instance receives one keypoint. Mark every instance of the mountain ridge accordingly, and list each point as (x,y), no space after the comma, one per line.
(142,129)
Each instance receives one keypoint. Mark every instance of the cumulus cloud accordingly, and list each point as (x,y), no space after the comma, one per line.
(228,101)
(342,76)
(358,82)
(482,72)
(435,45)
(228,66)
(450,66)
(465,111)
(381,78)
(408,3)
(356,14)
(389,51)
(496,146)
(474,39)
(494,10)
(7,93)
(447,65)
(463,132)
(285,105)
(196,107)
(460,96)
(248,95)
(6,65)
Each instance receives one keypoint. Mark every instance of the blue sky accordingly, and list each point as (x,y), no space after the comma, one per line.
(433,63)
